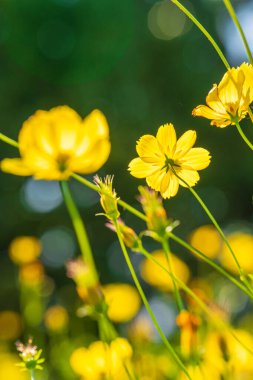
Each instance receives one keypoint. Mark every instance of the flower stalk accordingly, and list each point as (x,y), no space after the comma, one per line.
(245,139)
(146,303)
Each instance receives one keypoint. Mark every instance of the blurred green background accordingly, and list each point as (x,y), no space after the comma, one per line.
(143,64)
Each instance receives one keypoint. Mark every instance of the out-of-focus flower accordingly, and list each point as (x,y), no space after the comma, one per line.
(140,330)
(56,143)
(164,159)
(202,371)
(156,276)
(32,274)
(24,249)
(123,301)
(101,360)
(8,368)
(229,100)
(81,273)
(188,324)
(129,236)
(56,318)
(242,245)
(10,325)
(154,364)
(30,355)
(235,355)
(108,197)
(207,240)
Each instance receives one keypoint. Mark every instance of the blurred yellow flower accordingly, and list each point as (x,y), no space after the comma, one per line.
(162,159)
(156,276)
(8,368)
(10,325)
(24,249)
(242,245)
(56,143)
(123,301)
(101,360)
(229,100)
(207,240)
(56,318)
(32,274)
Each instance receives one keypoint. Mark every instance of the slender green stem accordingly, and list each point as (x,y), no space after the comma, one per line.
(167,252)
(79,228)
(125,205)
(8,140)
(198,300)
(243,135)
(211,263)
(234,17)
(203,30)
(211,217)
(32,374)
(146,303)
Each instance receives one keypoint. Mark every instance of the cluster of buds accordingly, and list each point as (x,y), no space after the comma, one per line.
(157,221)
(30,356)
(108,197)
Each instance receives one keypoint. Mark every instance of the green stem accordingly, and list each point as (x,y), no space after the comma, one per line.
(167,252)
(234,17)
(198,300)
(203,30)
(9,141)
(146,303)
(211,263)
(32,374)
(120,202)
(211,217)
(243,135)
(79,228)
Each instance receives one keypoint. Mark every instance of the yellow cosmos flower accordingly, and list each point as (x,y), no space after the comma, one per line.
(230,99)
(53,144)
(162,159)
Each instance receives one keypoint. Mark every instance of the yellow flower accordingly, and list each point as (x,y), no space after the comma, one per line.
(156,276)
(56,318)
(101,360)
(230,99)
(56,143)
(242,245)
(123,301)
(207,240)
(163,158)
(24,249)
(10,325)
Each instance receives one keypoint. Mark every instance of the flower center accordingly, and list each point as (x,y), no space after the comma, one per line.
(169,163)
(62,161)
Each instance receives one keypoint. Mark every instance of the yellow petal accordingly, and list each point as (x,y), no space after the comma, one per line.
(141,169)
(155,180)
(166,137)
(186,141)
(191,177)
(92,160)
(148,149)
(15,166)
(172,188)
(213,101)
(208,113)
(248,72)
(230,89)
(222,123)
(196,159)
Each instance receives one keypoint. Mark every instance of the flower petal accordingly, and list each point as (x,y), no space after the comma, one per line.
(230,89)
(148,149)
(213,101)
(191,177)
(155,180)
(186,141)
(196,159)
(166,137)
(208,113)
(15,166)
(141,169)
(172,187)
